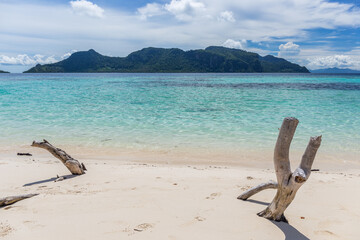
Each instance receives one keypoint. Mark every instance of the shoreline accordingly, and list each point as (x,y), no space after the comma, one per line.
(137,200)
(257,159)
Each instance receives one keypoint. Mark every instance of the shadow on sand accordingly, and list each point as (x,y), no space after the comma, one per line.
(258,202)
(289,231)
(49,180)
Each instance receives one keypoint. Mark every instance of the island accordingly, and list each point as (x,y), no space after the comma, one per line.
(336,71)
(212,59)
(3,71)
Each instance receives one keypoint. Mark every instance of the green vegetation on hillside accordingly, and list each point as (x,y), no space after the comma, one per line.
(150,60)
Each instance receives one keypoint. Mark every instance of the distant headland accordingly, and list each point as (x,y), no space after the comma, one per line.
(336,71)
(3,71)
(160,60)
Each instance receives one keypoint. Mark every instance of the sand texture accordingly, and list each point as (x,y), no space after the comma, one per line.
(127,200)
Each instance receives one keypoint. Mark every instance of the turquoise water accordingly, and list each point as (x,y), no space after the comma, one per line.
(167,112)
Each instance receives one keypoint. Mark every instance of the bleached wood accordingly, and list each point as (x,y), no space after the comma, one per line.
(309,155)
(269,185)
(74,166)
(288,182)
(13,199)
(281,152)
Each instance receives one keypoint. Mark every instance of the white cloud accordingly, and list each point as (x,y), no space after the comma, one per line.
(226,16)
(66,55)
(339,61)
(21,59)
(38,58)
(51,29)
(83,7)
(325,57)
(185,10)
(151,10)
(230,43)
(289,46)
(289,49)
(260,20)
(24,59)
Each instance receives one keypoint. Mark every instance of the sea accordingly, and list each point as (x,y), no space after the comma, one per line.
(207,114)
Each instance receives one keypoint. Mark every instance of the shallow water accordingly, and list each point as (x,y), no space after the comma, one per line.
(170,112)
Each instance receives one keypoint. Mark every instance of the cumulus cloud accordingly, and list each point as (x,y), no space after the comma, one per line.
(24,59)
(226,16)
(38,26)
(230,43)
(260,19)
(288,49)
(83,7)
(151,10)
(185,9)
(21,59)
(339,61)
(66,55)
(38,58)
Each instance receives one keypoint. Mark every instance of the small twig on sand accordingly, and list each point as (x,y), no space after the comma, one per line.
(24,154)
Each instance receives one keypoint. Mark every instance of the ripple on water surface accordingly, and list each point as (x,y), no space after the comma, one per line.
(171,111)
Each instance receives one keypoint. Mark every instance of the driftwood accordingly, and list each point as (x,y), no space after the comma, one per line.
(74,166)
(58,179)
(287,182)
(13,199)
(24,154)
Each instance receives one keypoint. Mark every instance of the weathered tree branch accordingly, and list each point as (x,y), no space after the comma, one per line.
(288,182)
(74,166)
(13,199)
(281,152)
(245,195)
(309,155)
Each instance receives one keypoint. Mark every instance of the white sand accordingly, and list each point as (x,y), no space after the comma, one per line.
(122,200)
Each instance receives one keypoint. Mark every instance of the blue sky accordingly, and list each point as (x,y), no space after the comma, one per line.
(313,33)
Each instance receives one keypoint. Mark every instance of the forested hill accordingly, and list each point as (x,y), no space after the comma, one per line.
(150,60)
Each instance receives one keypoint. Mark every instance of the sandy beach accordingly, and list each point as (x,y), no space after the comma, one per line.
(179,120)
(134,200)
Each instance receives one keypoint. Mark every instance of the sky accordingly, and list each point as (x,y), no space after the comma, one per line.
(313,33)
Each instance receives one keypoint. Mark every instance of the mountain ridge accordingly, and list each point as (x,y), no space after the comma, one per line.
(334,70)
(173,60)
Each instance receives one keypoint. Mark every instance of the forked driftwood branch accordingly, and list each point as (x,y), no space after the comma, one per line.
(74,166)
(287,182)
(13,199)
